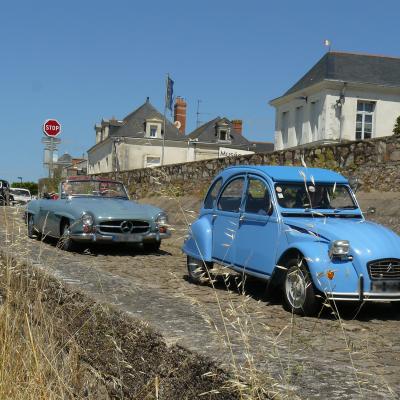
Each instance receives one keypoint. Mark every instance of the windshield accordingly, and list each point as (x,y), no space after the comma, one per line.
(319,196)
(21,192)
(94,188)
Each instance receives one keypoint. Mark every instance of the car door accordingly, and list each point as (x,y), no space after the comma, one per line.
(226,219)
(257,234)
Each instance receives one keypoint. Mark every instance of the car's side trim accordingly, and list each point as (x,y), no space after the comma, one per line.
(242,269)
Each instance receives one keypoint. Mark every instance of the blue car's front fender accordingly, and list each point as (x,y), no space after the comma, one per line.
(319,263)
(199,242)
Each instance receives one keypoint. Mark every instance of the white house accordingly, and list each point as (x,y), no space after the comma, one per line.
(139,141)
(344,96)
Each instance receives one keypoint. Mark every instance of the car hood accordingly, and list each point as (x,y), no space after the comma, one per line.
(365,237)
(114,208)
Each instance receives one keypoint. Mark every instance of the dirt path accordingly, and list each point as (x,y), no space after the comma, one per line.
(357,357)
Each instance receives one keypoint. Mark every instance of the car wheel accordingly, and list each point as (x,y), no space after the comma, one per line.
(298,291)
(152,246)
(197,270)
(65,242)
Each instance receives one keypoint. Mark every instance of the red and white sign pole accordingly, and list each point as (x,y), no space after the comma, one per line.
(51,128)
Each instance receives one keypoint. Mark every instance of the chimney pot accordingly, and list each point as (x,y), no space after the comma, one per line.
(180,114)
(237,125)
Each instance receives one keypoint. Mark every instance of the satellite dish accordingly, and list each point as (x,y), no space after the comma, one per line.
(177,124)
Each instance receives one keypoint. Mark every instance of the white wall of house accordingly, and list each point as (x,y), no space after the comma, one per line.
(135,153)
(100,160)
(299,121)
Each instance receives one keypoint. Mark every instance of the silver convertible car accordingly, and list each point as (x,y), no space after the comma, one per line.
(93,210)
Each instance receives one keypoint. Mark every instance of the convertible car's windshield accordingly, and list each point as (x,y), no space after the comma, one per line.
(319,196)
(94,188)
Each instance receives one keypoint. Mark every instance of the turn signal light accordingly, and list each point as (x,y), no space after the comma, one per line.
(330,275)
(162,229)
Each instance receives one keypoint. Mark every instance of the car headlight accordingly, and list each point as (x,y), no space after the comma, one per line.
(87,219)
(339,248)
(162,219)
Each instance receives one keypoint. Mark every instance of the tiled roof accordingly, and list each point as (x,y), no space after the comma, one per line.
(352,68)
(134,124)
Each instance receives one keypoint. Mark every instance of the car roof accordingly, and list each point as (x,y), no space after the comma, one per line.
(291,174)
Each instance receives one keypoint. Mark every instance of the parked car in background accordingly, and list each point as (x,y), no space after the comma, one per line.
(93,210)
(20,196)
(4,193)
(301,229)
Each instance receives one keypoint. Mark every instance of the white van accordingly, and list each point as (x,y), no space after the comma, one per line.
(20,196)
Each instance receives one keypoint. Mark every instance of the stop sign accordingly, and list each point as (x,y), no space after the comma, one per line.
(51,127)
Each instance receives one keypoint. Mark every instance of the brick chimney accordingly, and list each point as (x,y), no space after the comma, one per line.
(180,114)
(237,125)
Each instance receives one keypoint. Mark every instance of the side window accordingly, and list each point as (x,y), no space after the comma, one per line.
(231,196)
(258,198)
(212,194)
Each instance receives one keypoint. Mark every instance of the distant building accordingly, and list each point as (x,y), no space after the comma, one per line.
(221,137)
(67,165)
(344,96)
(139,141)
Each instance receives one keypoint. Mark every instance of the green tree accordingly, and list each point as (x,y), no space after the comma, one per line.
(31,186)
(396,129)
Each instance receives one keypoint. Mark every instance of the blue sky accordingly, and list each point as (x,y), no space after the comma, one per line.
(79,61)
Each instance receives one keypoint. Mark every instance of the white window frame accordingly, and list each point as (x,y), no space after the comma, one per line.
(363,114)
(153,127)
(150,165)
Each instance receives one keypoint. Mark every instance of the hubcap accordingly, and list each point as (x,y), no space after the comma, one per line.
(295,287)
(193,266)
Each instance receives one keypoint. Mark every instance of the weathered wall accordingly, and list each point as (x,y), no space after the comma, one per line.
(375,162)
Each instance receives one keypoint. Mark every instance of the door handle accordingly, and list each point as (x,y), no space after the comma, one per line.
(241,219)
(214,217)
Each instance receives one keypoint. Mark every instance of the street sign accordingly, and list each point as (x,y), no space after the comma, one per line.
(51,127)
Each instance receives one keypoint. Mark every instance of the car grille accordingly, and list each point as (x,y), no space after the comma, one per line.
(124,226)
(388,268)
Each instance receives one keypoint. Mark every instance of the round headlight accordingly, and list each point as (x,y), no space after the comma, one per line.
(87,219)
(339,248)
(162,219)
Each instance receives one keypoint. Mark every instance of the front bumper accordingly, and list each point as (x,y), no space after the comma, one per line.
(119,237)
(360,295)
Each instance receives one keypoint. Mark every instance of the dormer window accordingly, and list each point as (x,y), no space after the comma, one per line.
(153,128)
(223,135)
(153,131)
(223,131)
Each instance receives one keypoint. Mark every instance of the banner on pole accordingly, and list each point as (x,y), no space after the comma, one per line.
(169,94)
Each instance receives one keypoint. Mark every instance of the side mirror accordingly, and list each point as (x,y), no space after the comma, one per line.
(354,183)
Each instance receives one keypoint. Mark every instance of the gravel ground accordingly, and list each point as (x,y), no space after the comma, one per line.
(356,357)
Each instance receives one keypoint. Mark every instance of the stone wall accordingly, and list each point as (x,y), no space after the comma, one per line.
(375,162)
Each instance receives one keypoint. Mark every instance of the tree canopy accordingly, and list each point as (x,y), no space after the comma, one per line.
(31,186)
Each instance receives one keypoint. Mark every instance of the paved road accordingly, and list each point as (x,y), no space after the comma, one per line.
(355,357)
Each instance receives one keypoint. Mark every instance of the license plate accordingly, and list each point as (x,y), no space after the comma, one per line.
(127,238)
(385,286)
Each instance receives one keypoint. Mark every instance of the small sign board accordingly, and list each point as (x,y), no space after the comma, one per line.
(227,152)
(51,128)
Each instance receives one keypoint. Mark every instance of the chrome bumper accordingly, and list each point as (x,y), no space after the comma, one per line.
(363,296)
(119,237)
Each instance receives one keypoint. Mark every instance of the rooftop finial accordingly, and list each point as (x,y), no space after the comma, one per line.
(147,99)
